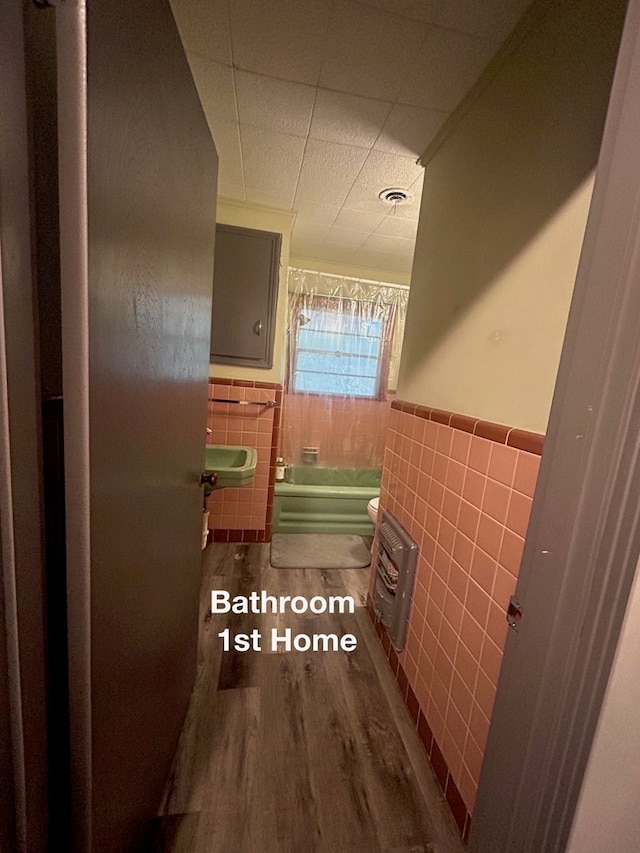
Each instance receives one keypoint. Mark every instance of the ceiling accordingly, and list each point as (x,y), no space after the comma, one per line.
(316,106)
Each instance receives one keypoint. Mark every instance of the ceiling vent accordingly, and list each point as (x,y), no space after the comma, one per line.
(395,196)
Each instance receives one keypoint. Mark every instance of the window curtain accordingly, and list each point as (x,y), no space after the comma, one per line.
(344,339)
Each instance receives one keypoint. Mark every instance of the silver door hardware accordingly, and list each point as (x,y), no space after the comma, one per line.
(257,329)
(514,612)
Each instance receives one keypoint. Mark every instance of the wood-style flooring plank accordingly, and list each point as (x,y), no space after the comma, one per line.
(232,771)
(284,791)
(355,582)
(432,798)
(298,751)
(383,767)
(343,821)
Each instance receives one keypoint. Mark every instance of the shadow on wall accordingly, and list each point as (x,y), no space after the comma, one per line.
(495,185)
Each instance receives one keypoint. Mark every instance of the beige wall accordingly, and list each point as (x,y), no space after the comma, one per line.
(506,195)
(371,273)
(264,219)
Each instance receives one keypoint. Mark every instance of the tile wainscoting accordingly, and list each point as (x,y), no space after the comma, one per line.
(463,489)
(244,514)
(350,432)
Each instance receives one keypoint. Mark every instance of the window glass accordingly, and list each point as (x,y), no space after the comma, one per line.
(338,353)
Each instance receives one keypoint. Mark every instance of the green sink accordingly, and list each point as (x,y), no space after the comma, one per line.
(234,466)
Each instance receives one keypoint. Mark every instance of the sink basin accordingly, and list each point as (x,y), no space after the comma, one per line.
(235,466)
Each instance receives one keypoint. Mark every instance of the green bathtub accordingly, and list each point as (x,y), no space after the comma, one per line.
(325,500)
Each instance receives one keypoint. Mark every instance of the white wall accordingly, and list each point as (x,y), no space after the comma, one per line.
(506,194)
(607,816)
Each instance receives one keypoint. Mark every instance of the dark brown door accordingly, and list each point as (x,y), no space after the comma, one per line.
(138,173)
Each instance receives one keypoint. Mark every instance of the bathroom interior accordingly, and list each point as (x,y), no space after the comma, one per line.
(443,428)
(414,180)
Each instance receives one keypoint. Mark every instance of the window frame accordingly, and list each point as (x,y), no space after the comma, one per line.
(320,302)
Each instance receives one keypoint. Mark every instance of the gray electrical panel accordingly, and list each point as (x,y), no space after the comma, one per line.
(246,272)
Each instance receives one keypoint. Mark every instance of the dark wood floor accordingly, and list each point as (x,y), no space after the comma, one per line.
(297,752)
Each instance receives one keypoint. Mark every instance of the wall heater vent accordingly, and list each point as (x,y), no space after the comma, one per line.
(395,570)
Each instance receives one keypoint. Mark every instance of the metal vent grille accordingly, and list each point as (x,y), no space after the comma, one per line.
(395,571)
(389,537)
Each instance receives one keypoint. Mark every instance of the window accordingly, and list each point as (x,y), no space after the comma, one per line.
(340,347)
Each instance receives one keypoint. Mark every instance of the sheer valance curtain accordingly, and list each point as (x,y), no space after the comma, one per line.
(344,340)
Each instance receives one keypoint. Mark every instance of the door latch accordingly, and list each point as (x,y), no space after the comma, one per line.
(514,612)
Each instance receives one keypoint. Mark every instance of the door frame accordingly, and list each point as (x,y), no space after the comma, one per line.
(24,771)
(582,546)
(74,263)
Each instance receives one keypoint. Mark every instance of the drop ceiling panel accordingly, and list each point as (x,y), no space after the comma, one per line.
(335,252)
(274,104)
(232,191)
(402,262)
(348,119)
(313,211)
(421,10)
(368,257)
(316,231)
(226,136)
(215,85)
(389,245)
(382,169)
(329,170)
(350,238)
(317,105)
(364,197)
(369,51)
(395,226)
(409,130)
(410,211)
(359,220)
(284,155)
(280,38)
(270,195)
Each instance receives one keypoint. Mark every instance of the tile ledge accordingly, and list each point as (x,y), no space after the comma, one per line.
(519,439)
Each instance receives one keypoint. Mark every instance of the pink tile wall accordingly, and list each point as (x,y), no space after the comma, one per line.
(348,432)
(245,507)
(466,500)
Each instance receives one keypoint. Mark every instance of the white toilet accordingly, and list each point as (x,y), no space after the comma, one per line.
(372,510)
